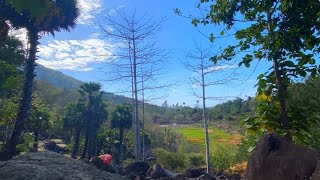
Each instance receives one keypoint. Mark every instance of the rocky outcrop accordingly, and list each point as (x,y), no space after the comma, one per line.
(278,159)
(51,166)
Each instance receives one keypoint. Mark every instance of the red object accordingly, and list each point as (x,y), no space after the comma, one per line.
(106,158)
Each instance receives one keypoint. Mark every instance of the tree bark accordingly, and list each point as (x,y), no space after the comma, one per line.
(204,116)
(25,103)
(84,152)
(137,124)
(76,143)
(284,118)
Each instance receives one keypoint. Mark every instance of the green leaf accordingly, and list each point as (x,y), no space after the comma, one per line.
(211,38)
(251,149)
(302,73)
(288,63)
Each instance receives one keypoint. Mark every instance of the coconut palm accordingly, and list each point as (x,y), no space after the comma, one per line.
(38,17)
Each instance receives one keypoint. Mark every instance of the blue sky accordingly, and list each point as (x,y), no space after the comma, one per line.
(83,52)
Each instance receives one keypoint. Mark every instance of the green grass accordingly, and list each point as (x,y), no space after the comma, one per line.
(223,145)
(195,136)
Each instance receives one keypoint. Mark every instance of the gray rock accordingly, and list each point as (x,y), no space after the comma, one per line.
(277,158)
(48,165)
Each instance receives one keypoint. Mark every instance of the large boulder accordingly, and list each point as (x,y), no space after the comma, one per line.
(277,158)
(49,165)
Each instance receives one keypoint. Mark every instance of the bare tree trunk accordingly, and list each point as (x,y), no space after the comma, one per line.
(205,119)
(25,103)
(143,125)
(137,123)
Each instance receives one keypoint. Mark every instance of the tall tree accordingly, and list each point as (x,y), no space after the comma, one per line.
(50,16)
(198,63)
(74,120)
(11,58)
(140,50)
(285,33)
(122,120)
(95,115)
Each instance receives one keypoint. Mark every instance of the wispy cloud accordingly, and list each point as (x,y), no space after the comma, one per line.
(218,68)
(88,10)
(75,55)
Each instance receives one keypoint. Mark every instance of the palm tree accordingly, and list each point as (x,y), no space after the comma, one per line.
(95,115)
(74,121)
(121,119)
(50,16)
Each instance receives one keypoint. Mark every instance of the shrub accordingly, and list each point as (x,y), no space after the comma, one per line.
(27,143)
(196,159)
(172,161)
(223,156)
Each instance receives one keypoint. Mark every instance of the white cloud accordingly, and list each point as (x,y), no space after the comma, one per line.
(88,10)
(74,55)
(219,68)
(21,34)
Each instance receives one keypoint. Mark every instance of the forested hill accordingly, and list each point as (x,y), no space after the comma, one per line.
(60,89)
(57,78)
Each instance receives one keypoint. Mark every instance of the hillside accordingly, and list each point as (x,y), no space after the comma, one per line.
(59,89)
(56,78)
(57,86)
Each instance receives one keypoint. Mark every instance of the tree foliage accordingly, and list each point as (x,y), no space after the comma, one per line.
(53,16)
(283,32)
(122,120)
(39,119)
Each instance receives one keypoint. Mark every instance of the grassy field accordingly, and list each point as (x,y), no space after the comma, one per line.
(195,135)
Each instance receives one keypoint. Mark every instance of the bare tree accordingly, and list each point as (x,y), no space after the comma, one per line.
(136,39)
(197,61)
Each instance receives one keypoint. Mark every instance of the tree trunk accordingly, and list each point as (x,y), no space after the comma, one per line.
(204,116)
(137,124)
(76,143)
(36,139)
(91,125)
(4,30)
(284,118)
(2,106)
(25,103)
(93,149)
(84,152)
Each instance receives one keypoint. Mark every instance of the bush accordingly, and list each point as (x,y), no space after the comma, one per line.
(27,143)
(172,161)
(244,151)
(196,159)
(187,147)
(223,156)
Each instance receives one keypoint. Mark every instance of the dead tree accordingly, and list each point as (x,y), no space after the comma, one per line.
(136,41)
(197,61)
